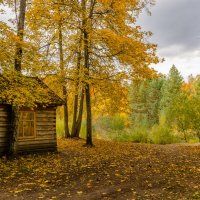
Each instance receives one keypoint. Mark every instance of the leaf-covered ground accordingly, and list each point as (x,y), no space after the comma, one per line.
(110,170)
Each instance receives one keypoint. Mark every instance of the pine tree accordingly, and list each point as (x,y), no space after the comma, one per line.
(154,96)
(171,90)
(144,101)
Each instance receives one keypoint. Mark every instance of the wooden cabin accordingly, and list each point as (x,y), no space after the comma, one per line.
(37,124)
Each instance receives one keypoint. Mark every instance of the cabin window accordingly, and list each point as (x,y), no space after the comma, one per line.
(26,124)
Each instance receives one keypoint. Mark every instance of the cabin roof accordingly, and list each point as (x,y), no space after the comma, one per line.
(26,91)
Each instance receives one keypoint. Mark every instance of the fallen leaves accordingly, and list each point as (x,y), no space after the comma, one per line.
(110,170)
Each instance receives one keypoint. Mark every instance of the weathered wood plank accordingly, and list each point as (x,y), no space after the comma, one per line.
(43,136)
(51,112)
(45,128)
(35,141)
(46,137)
(34,146)
(46,134)
(3,136)
(3,144)
(45,115)
(3,114)
(3,139)
(38,149)
(4,119)
(3,132)
(46,123)
(4,124)
(46,119)
(3,128)
(4,108)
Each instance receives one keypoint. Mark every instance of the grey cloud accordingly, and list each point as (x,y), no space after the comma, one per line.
(175,24)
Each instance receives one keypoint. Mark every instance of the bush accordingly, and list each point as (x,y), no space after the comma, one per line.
(115,123)
(140,134)
(161,134)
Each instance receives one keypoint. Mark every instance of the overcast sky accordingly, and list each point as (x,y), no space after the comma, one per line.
(176,30)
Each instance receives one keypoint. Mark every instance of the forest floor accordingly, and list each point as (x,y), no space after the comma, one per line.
(110,170)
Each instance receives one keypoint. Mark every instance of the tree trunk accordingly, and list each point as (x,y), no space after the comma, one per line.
(74,115)
(14,131)
(66,114)
(20,34)
(17,65)
(89,116)
(65,96)
(85,25)
(79,120)
(74,124)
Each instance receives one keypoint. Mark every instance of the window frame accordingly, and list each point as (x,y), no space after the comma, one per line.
(34,125)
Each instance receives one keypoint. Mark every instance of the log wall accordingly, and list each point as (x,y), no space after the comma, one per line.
(4,128)
(45,138)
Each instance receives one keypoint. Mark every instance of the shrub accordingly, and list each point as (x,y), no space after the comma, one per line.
(115,123)
(161,134)
(140,134)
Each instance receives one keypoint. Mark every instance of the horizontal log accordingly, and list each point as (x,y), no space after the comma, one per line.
(46,112)
(42,145)
(45,128)
(36,141)
(46,123)
(47,137)
(45,115)
(3,144)
(43,132)
(3,139)
(4,124)
(3,114)
(4,108)
(46,134)
(38,149)
(4,119)
(3,133)
(3,129)
(46,119)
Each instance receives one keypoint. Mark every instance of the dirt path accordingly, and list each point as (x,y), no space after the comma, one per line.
(110,170)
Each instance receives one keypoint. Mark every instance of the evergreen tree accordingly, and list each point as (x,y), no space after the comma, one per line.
(154,97)
(138,105)
(145,99)
(171,90)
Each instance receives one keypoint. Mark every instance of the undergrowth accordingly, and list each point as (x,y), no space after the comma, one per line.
(115,128)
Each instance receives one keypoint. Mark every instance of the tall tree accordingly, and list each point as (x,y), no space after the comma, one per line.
(64,87)
(112,46)
(110,42)
(18,67)
(154,96)
(20,34)
(171,89)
